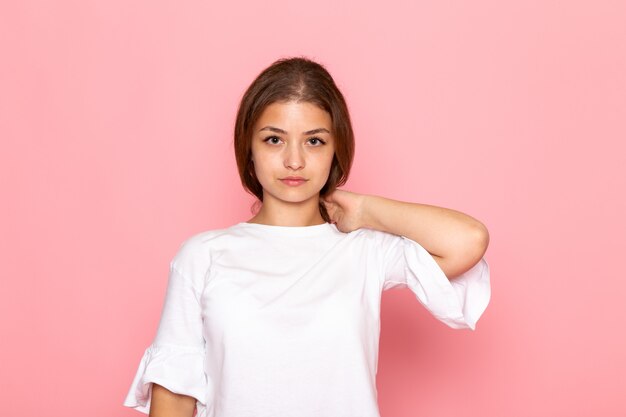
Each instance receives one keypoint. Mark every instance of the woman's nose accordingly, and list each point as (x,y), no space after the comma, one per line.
(294,158)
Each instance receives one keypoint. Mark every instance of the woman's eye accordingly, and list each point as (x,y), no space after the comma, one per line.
(319,141)
(270,139)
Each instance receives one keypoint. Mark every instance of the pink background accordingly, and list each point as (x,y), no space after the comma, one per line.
(116,120)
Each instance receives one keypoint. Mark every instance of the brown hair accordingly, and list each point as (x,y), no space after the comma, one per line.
(294,79)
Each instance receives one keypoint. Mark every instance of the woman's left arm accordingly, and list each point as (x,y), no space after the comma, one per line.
(456,240)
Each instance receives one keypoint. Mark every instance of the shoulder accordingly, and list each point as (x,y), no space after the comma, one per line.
(378,238)
(194,253)
(377,244)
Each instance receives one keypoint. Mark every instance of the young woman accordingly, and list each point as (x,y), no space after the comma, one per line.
(279,316)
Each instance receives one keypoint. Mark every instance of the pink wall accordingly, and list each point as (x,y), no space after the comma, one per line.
(116,116)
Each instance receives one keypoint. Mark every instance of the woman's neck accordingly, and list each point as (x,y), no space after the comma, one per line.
(279,212)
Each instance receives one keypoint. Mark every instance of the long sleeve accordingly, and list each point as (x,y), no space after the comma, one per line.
(458,302)
(175,359)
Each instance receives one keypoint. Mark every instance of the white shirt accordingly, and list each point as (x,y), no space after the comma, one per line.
(278,321)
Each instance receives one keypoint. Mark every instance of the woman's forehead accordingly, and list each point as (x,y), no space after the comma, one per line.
(294,114)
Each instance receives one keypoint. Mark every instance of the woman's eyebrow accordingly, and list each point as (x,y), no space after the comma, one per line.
(309,132)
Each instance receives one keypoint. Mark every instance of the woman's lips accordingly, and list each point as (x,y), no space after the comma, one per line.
(293,182)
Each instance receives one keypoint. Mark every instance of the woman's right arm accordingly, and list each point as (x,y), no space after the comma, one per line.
(172,367)
(165,403)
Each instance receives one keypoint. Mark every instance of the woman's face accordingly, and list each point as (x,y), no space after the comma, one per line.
(292,139)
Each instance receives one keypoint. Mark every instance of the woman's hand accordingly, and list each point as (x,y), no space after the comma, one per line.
(345,209)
